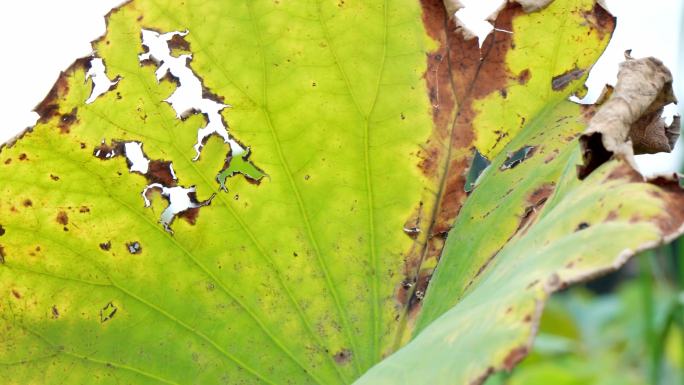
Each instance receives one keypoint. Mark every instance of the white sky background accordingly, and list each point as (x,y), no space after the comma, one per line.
(43,37)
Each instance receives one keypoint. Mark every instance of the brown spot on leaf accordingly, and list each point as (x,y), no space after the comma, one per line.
(343,356)
(84,209)
(551,156)
(55,312)
(49,107)
(524,76)
(625,172)
(23,156)
(105,151)
(403,292)
(559,82)
(67,120)
(2,231)
(536,201)
(514,357)
(54,177)
(16,294)
(159,171)
(418,290)
(106,245)
(582,226)
(2,254)
(27,203)
(612,215)
(179,42)
(190,215)
(62,218)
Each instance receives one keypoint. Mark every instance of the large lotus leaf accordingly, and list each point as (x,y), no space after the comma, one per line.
(311,231)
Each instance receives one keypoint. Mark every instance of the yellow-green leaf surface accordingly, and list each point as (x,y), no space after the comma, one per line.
(287,281)
(312,233)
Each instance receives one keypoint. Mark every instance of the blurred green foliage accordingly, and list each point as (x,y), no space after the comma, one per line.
(631,333)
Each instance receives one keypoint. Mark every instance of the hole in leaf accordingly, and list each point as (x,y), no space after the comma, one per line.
(161,177)
(134,247)
(191,97)
(107,312)
(181,200)
(517,157)
(101,83)
(478,164)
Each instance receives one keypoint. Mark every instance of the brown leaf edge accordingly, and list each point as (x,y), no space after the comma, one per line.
(48,108)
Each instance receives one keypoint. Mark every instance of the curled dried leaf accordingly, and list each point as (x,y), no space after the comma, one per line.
(630,121)
(452,6)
